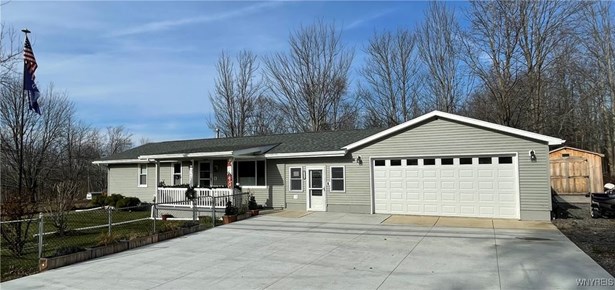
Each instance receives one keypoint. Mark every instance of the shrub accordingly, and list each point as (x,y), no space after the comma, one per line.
(168,226)
(127,202)
(105,239)
(230,209)
(113,199)
(98,200)
(252,205)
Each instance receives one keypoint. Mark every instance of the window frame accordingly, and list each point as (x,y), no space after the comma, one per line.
(290,179)
(140,173)
(173,173)
(331,177)
(236,170)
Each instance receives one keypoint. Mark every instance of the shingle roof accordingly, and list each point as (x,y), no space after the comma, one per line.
(284,143)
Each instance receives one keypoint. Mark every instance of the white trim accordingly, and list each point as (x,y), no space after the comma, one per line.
(188,155)
(471,121)
(290,178)
(337,153)
(139,175)
(331,177)
(515,156)
(576,149)
(307,187)
(120,161)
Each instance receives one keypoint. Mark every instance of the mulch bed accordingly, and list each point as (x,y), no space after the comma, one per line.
(596,237)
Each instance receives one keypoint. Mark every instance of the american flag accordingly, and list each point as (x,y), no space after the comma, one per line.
(28,76)
(28,57)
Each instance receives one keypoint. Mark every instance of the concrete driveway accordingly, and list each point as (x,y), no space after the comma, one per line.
(337,251)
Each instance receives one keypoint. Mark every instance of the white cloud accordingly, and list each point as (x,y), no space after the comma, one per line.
(359,22)
(170,24)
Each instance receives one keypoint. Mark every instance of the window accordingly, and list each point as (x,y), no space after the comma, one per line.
(447,161)
(412,162)
(379,162)
(337,179)
(177,173)
(465,160)
(565,155)
(143,175)
(429,161)
(505,160)
(250,173)
(204,174)
(296,181)
(396,162)
(484,160)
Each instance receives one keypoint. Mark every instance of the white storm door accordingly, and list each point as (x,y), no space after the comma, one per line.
(316,193)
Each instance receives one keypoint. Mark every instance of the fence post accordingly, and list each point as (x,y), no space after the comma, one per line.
(213,211)
(155,216)
(109,210)
(40,234)
(193,210)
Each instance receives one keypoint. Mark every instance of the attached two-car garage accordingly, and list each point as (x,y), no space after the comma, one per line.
(470,186)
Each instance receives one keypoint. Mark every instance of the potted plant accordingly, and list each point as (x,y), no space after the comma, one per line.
(190,193)
(253,206)
(230,213)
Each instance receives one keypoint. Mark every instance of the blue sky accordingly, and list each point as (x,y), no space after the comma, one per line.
(150,65)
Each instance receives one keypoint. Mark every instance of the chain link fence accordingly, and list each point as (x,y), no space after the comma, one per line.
(25,241)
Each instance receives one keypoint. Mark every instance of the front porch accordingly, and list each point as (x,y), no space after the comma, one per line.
(206,198)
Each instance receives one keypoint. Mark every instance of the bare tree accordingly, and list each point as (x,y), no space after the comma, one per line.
(439,43)
(10,49)
(236,92)
(391,74)
(545,26)
(118,139)
(144,140)
(493,55)
(599,41)
(58,204)
(311,80)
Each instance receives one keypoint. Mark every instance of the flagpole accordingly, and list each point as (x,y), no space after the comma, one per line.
(21,133)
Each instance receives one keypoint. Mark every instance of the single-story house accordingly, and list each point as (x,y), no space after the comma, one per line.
(437,164)
(576,171)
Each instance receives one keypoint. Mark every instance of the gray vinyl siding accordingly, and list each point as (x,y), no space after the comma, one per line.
(444,137)
(123,179)
(271,195)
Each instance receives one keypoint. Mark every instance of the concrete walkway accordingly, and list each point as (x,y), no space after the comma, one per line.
(336,251)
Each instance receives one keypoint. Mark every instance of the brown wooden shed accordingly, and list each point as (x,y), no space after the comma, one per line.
(575,171)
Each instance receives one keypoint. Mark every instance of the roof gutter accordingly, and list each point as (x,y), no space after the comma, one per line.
(338,153)
(120,161)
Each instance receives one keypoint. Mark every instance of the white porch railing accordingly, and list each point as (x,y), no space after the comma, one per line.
(176,197)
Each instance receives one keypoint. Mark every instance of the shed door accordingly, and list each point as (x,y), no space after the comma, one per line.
(570,175)
(472,186)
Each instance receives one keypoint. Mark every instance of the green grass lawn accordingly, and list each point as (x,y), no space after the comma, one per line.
(77,237)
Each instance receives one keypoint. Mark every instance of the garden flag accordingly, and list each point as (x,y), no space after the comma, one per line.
(28,76)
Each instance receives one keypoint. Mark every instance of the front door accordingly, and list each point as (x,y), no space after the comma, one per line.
(316,193)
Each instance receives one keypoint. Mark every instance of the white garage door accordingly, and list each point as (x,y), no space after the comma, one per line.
(470,186)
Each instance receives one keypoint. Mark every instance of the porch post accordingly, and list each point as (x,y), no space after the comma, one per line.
(229,174)
(191,174)
(157,180)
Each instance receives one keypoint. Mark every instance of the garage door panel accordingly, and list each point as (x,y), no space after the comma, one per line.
(429,173)
(466,173)
(479,190)
(410,173)
(485,173)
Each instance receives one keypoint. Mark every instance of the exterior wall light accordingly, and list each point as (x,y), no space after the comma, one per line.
(532,155)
